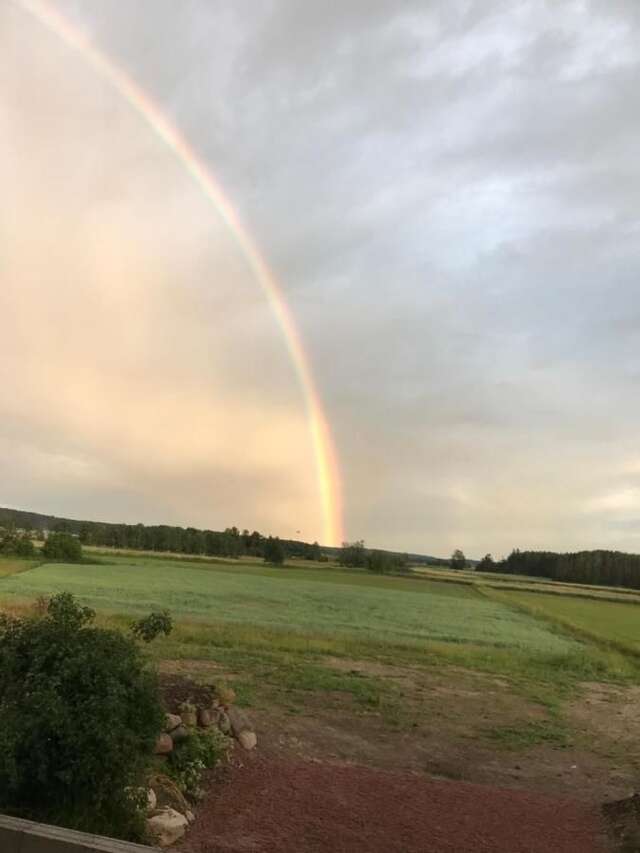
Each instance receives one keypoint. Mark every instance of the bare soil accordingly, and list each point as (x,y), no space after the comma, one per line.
(285,806)
(332,775)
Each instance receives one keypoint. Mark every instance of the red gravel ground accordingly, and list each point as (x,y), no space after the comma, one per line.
(275,806)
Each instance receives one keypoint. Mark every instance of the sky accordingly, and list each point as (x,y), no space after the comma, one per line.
(447,193)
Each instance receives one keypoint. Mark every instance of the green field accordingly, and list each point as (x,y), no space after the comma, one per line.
(391,611)
(607,621)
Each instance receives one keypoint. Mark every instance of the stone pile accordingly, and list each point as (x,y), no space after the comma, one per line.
(168,813)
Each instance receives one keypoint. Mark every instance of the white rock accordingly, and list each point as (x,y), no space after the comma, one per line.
(247,739)
(171,722)
(190,816)
(152,800)
(166,826)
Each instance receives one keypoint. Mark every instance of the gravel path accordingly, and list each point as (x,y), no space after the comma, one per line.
(275,806)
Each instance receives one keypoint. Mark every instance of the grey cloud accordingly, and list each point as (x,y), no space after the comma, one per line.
(448,194)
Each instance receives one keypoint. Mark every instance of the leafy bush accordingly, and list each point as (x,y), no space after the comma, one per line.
(63,547)
(79,717)
(14,544)
(151,626)
(203,748)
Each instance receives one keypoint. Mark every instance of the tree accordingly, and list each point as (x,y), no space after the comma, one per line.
(63,547)
(13,544)
(486,564)
(25,546)
(273,551)
(75,747)
(353,554)
(458,560)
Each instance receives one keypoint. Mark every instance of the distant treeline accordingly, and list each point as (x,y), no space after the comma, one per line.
(601,568)
(160,537)
(187,540)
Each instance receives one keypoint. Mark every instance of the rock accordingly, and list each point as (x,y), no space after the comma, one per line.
(152,800)
(190,816)
(189,717)
(180,733)
(224,723)
(171,722)
(226,695)
(204,718)
(164,744)
(215,703)
(166,826)
(247,739)
(239,721)
(168,795)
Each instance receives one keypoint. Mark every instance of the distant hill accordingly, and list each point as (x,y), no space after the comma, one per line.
(164,537)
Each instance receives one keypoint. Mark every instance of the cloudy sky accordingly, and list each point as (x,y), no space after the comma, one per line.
(448,194)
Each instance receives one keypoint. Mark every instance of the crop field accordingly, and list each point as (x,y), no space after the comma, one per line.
(607,621)
(305,601)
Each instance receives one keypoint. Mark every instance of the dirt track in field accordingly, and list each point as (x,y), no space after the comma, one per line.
(267,804)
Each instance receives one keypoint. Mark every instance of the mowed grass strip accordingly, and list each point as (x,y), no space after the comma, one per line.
(320,603)
(14,566)
(607,621)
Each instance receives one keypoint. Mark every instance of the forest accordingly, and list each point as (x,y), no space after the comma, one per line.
(601,568)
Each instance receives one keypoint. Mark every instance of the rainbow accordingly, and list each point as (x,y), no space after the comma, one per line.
(326,461)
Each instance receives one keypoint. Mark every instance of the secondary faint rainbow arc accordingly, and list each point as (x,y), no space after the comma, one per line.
(328,473)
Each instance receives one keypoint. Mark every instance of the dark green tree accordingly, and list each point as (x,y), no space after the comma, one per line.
(63,547)
(273,551)
(486,564)
(353,554)
(458,560)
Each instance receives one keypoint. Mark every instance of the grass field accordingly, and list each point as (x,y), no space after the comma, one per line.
(391,611)
(606,621)
(340,646)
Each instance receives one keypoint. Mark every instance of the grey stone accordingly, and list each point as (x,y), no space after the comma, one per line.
(171,722)
(167,826)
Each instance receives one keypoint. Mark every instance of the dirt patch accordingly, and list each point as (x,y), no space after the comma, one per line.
(176,689)
(280,806)
(439,726)
(611,712)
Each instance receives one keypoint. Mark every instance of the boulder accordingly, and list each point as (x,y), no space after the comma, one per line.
(171,722)
(166,826)
(164,744)
(190,816)
(152,800)
(189,716)
(239,721)
(226,695)
(180,733)
(224,723)
(247,739)
(204,718)
(168,795)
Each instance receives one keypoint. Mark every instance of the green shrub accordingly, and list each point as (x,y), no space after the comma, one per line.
(203,748)
(14,544)
(79,717)
(151,626)
(63,547)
